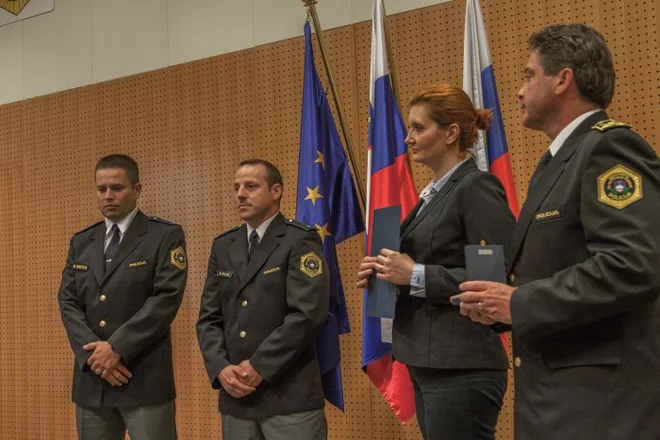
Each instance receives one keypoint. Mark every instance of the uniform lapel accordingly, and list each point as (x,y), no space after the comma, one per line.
(238,251)
(439,197)
(132,238)
(98,261)
(269,242)
(546,181)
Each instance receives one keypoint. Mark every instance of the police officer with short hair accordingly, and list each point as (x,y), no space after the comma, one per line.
(121,289)
(585,257)
(265,299)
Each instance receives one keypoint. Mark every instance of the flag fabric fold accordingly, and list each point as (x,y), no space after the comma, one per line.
(326,199)
(479,83)
(389,183)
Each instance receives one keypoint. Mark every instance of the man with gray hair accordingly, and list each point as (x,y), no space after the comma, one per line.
(585,257)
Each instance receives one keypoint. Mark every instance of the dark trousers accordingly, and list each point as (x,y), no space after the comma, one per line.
(458,404)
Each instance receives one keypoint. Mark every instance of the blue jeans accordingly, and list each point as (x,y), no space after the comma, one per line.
(458,404)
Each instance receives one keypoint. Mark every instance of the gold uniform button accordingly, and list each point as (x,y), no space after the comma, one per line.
(512,278)
(102,323)
(102,298)
(243,335)
(517,362)
(244,303)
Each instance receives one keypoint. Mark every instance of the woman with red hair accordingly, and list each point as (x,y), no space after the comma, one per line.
(458,368)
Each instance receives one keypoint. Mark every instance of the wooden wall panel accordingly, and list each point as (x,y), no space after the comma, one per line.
(189,125)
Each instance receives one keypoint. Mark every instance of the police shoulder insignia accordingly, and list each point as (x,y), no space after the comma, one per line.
(178,258)
(608,124)
(89,227)
(300,225)
(162,220)
(235,228)
(311,265)
(619,187)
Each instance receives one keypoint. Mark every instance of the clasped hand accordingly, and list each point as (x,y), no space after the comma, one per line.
(239,380)
(106,362)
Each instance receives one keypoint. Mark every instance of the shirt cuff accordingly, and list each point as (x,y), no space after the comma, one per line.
(418,278)
(418,281)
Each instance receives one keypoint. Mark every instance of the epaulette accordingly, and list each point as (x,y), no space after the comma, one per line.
(89,227)
(235,228)
(162,220)
(609,124)
(300,225)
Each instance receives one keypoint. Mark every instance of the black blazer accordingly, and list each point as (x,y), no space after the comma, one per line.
(268,310)
(586,315)
(471,208)
(131,304)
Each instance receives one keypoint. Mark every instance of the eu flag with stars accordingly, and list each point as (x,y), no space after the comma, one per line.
(326,199)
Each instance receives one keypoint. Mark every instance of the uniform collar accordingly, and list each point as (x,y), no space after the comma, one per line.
(123,224)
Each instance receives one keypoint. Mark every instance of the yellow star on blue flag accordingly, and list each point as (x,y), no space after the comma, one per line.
(313,194)
(335,211)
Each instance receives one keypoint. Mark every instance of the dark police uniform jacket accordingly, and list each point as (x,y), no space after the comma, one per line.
(267,311)
(131,304)
(471,208)
(586,314)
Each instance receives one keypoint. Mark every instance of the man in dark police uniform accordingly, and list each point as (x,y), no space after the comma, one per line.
(585,257)
(121,288)
(264,301)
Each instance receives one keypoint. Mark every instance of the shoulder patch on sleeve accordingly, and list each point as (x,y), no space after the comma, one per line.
(89,227)
(178,258)
(619,187)
(609,124)
(300,225)
(235,228)
(311,265)
(162,220)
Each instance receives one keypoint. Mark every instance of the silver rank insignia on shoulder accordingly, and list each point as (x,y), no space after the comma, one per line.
(619,187)
(311,265)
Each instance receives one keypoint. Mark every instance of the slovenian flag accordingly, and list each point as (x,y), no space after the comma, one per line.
(389,183)
(479,83)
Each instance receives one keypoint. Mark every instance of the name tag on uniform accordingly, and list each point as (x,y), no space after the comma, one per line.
(271,270)
(223,274)
(547,215)
(80,267)
(137,264)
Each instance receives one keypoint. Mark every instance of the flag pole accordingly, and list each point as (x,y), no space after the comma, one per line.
(392,66)
(390,58)
(311,8)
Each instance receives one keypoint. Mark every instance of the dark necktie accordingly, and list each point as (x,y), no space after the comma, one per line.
(543,162)
(113,244)
(254,242)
